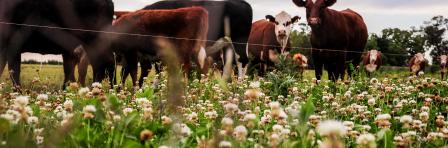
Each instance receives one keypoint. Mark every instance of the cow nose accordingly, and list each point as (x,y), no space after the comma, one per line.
(314,21)
(282,33)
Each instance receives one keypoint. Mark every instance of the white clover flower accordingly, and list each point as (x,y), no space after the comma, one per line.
(182,130)
(127,111)
(225,144)
(83,91)
(42,97)
(227,121)
(240,132)
(331,127)
(22,100)
(371,101)
(231,108)
(211,114)
(274,105)
(406,119)
(39,139)
(367,140)
(250,117)
(97,85)
(374,81)
(32,120)
(255,84)
(68,104)
(89,109)
(383,117)
(277,128)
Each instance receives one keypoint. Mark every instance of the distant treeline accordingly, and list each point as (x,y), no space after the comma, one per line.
(49,62)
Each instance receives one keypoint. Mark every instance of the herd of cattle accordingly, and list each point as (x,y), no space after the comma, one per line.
(208,33)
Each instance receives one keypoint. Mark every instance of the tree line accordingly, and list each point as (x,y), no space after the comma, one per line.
(396,44)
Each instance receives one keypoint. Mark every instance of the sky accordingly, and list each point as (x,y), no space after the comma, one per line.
(378,14)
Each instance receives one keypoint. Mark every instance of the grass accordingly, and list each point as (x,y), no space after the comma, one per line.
(277,110)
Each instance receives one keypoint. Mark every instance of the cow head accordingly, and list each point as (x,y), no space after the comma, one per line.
(416,62)
(301,60)
(283,26)
(314,9)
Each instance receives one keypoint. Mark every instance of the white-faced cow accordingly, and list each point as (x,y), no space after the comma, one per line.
(338,37)
(443,61)
(372,61)
(417,63)
(269,38)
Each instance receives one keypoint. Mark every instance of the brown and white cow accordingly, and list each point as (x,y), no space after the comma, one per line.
(269,38)
(372,61)
(417,63)
(443,61)
(301,61)
(185,28)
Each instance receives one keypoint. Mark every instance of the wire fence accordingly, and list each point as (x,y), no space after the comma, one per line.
(179,38)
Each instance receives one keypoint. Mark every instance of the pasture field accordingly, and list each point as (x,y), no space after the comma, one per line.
(390,109)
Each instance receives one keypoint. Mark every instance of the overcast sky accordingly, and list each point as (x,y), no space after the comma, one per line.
(378,14)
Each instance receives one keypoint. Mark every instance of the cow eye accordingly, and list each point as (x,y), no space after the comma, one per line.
(276,23)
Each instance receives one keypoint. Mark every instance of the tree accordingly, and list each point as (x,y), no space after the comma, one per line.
(434,31)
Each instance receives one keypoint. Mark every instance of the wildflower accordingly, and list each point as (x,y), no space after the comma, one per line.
(274,140)
(211,115)
(225,144)
(231,108)
(32,120)
(371,102)
(424,116)
(240,133)
(366,140)
(83,91)
(277,128)
(68,105)
(440,121)
(42,97)
(193,117)
(146,135)
(373,81)
(127,111)
(97,85)
(39,139)
(255,84)
(182,130)
(166,120)
(383,120)
(21,100)
(406,120)
(253,94)
(89,108)
(331,128)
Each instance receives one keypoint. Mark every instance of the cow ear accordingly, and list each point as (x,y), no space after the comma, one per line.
(330,3)
(300,3)
(295,19)
(270,18)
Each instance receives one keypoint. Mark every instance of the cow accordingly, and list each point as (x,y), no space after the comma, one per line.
(301,61)
(372,61)
(443,61)
(41,27)
(337,37)
(238,13)
(185,28)
(417,64)
(268,38)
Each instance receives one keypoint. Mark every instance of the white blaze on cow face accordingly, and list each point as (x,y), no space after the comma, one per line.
(373,56)
(418,59)
(202,55)
(283,26)
(314,1)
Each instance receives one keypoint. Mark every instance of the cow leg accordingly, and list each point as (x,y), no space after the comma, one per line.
(145,66)
(318,65)
(83,66)
(241,57)
(2,60)
(69,66)
(14,69)
(130,67)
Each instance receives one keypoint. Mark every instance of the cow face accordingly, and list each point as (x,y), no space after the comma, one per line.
(314,9)
(283,26)
(301,60)
(416,62)
(373,56)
